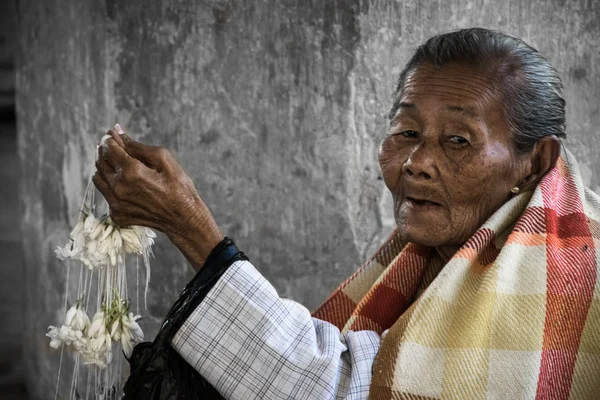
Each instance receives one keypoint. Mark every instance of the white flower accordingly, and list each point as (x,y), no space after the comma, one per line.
(55,341)
(117,240)
(52,332)
(68,335)
(98,342)
(81,320)
(131,241)
(104,246)
(127,343)
(70,315)
(149,235)
(131,333)
(77,237)
(113,256)
(134,327)
(98,346)
(96,324)
(99,242)
(96,232)
(107,231)
(148,232)
(90,223)
(63,252)
(115,332)
(71,332)
(91,246)
(124,329)
(96,353)
(135,240)
(80,344)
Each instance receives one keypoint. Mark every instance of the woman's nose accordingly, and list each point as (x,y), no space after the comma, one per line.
(419,163)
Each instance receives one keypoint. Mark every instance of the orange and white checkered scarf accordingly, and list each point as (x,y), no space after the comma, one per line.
(514,314)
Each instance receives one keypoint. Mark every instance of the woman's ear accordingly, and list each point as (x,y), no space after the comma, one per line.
(543,158)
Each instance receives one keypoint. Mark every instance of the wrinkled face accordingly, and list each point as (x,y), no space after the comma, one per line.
(448,158)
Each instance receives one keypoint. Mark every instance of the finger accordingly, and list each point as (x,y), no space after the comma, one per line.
(102,146)
(124,220)
(116,133)
(115,155)
(103,167)
(105,172)
(134,216)
(104,188)
(140,151)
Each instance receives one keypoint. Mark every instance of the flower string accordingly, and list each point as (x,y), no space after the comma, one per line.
(101,247)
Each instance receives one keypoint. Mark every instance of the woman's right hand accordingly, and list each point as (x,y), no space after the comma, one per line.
(144,185)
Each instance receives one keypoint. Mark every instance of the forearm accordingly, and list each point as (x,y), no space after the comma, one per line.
(196,236)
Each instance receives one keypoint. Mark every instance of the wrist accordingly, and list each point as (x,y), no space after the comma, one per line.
(197,237)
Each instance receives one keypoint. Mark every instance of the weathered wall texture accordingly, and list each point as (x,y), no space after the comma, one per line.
(274,107)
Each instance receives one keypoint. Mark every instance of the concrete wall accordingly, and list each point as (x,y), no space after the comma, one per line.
(12,275)
(274,107)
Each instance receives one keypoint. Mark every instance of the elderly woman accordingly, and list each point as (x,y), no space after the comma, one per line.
(488,288)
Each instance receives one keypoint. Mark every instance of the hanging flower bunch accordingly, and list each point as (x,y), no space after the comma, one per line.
(95,339)
(101,249)
(72,331)
(98,242)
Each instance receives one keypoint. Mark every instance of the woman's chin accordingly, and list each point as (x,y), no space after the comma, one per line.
(424,229)
(429,236)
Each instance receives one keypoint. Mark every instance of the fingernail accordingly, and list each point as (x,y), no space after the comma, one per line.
(118,129)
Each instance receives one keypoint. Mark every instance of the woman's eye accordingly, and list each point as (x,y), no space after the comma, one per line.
(409,134)
(458,139)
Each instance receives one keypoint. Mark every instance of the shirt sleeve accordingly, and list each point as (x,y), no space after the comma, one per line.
(249,343)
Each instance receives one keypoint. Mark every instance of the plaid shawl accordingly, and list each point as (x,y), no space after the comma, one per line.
(514,314)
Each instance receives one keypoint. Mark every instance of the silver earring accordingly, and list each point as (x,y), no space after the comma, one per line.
(515,190)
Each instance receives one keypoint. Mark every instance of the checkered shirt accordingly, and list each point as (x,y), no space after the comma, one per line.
(251,344)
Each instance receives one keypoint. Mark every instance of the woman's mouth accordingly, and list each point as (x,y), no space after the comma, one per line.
(421,204)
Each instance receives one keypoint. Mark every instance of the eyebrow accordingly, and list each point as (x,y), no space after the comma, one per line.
(405,105)
(465,110)
(402,106)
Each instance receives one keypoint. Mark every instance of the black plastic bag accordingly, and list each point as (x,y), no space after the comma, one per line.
(158,372)
(167,376)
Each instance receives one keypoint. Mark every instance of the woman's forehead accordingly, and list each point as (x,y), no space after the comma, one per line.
(455,109)
(458,87)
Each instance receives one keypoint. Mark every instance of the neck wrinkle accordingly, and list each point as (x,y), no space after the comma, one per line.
(447,252)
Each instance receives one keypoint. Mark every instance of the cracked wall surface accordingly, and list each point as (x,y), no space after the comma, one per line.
(275,108)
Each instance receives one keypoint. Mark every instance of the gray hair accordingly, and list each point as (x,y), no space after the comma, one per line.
(528,85)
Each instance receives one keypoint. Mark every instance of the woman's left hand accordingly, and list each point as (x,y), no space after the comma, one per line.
(144,185)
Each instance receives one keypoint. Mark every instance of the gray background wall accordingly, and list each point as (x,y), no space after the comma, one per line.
(11,266)
(274,107)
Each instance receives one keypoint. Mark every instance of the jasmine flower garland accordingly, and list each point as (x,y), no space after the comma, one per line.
(100,248)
